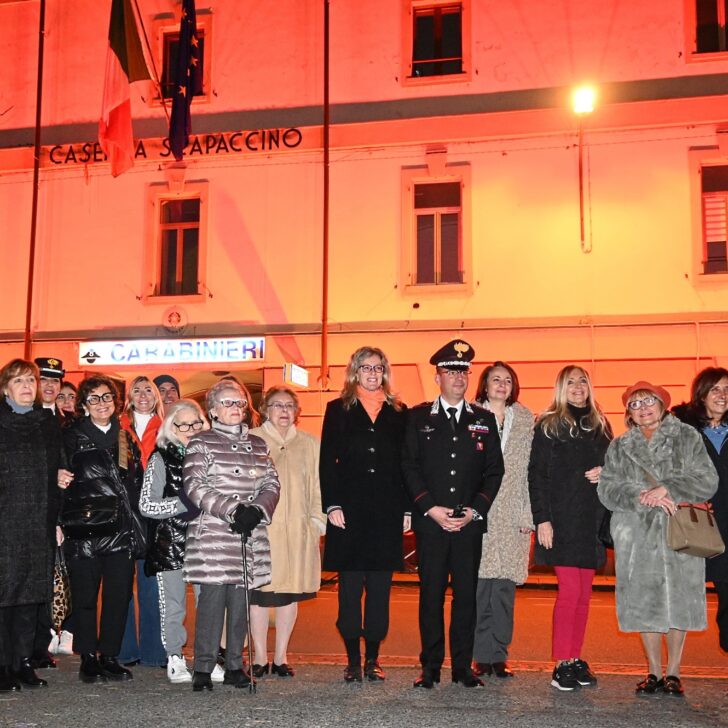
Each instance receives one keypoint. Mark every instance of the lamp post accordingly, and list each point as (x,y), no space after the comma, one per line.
(583,99)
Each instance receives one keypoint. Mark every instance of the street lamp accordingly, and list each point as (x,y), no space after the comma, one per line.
(583,99)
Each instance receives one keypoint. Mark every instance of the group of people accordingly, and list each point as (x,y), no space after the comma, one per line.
(235,504)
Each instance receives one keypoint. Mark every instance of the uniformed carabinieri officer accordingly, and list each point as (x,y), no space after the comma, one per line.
(453,468)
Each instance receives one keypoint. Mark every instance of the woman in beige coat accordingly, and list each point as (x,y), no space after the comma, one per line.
(294,534)
(504,562)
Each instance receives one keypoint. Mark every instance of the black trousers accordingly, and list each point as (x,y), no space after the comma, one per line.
(113,574)
(375,586)
(448,557)
(721,617)
(17,632)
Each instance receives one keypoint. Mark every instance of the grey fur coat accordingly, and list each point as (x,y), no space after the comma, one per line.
(657,589)
(505,548)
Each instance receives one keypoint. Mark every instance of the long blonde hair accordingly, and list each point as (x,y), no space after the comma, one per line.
(129,405)
(348,393)
(557,418)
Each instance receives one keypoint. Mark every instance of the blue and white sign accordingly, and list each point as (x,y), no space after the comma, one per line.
(171,351)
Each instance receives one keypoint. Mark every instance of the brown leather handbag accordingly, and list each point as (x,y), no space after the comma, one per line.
(692,530)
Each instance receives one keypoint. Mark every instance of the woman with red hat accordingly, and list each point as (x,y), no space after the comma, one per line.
(658,463)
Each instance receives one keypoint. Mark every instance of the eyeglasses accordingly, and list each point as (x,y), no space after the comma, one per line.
(367,368)
(69,397)
(97,398)
(648,401)
(227,403)
(282,406)
(454,373)
(187,426)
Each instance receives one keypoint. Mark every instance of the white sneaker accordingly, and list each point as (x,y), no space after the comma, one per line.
(218,674)
(53,646)
(65,643)
(177,671)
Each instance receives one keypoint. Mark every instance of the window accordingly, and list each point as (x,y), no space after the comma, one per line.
(169,62)
(436,41)
(706,24)
(714,198)
(436,227)
(438,233)
(437,44)
(176,254)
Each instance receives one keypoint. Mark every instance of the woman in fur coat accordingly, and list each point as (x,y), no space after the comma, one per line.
(658,463)
(504,562)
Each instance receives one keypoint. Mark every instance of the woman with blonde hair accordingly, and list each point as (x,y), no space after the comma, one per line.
(568,449)
(363,496)
(161,501)
(142,417)
(295,532)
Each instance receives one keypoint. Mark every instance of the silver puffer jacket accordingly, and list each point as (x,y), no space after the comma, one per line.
(224,467)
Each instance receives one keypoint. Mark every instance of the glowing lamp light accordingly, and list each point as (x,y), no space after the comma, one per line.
(583,99)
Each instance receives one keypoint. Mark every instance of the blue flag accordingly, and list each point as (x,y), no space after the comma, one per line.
(187,80)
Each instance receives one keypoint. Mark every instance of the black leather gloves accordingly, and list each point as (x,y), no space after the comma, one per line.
(246,519)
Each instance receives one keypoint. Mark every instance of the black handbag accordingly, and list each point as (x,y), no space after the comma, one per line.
(84,516)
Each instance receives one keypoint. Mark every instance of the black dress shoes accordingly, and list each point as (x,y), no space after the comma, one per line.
(43,662)
(283,670)
(112,670)
(25,674)
(650,685)
(90,671)
(8,681)
(201,681)
(373,671)
(482,668)
(501,669)
(466,678)
(236,678)
(427,679)
(260,670)
(352,673)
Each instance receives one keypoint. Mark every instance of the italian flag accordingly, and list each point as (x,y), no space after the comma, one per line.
(125,64)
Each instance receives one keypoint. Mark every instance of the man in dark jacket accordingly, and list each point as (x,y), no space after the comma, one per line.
(453,467)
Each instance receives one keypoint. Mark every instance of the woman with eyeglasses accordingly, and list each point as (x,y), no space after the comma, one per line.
(567,454)
(295,532)
(658,463)
(142,418)
(161,501)
(707,412)
(105,463)
(363,497)
(229,475)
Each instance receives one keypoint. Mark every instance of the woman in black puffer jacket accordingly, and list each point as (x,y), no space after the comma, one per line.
(105,462)
(163,500)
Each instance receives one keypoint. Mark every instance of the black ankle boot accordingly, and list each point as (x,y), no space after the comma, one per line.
(26,675)
(90,672)
(112,670)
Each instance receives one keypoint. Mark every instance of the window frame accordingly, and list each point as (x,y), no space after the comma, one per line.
(692,55)
(157,194)
(408,11)
(167,24)
(459,172)
(698,159)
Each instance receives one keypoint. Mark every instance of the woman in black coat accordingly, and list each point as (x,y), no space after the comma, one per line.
(105,463)
(569,444)
(707,412)
(30,458)
(363,496)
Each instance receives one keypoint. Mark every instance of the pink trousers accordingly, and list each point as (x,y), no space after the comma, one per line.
(571,611)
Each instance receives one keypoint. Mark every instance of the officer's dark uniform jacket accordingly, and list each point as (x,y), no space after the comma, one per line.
(442,468)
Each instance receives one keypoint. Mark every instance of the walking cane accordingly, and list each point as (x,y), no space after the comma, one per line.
(243,539)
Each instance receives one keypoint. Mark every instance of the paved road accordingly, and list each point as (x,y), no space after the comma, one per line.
(318,697)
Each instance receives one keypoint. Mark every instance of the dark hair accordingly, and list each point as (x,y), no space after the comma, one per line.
(70,385)
(91,383)
(702,384)
(18,367)
(481,392)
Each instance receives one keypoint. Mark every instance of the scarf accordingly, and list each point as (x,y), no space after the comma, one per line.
(19,409)
(372,402)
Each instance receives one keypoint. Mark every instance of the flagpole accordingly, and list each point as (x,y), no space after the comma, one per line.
(28,339)
(324,377)
(151,59)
